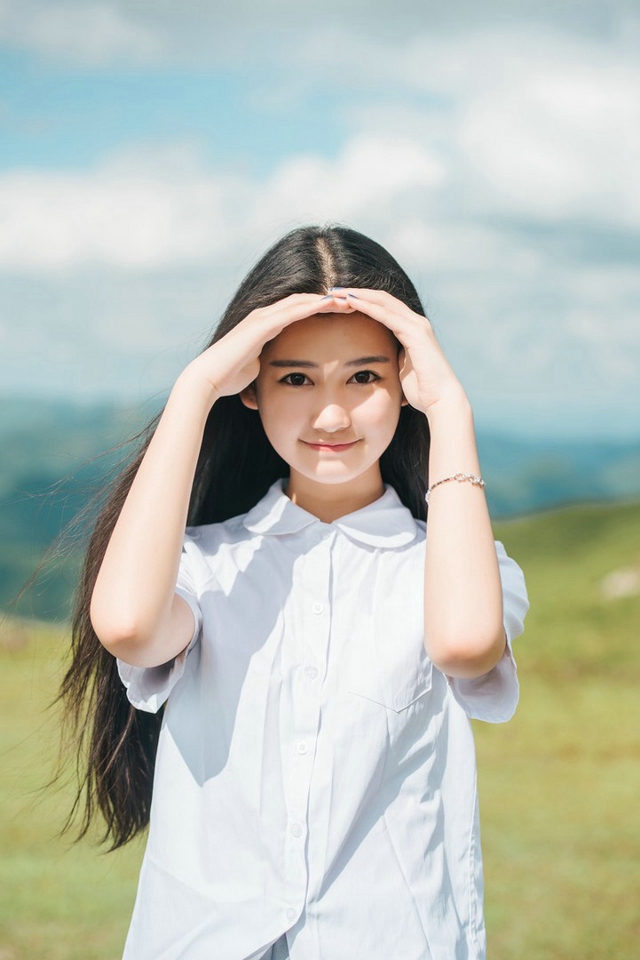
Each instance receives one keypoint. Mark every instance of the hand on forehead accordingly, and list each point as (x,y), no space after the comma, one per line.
(333,335)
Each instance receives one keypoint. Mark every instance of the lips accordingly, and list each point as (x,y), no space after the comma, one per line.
(330,446)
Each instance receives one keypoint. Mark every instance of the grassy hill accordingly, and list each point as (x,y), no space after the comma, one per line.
(559,784)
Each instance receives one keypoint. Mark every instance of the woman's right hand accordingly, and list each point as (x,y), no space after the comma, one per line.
(232,363)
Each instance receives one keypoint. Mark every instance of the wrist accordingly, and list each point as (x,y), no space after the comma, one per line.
(193,387)
(454,406)
(452,446)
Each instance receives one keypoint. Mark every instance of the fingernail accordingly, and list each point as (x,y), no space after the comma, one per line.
(337,288)
(353,295)
(330,297)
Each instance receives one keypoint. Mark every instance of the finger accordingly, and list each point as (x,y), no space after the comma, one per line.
(312,300)
(400,325)
(381,297)
(297,306)
(284,312)
(375,296)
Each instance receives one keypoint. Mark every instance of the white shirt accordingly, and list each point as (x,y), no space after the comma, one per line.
(315,773)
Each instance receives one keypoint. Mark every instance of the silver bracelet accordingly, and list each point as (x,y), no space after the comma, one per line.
(478,481)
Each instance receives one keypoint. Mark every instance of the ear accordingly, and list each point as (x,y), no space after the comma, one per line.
(248,396)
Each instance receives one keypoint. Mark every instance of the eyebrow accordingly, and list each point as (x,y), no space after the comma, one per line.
(359,362)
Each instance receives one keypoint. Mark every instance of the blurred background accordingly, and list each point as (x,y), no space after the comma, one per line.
(149,154)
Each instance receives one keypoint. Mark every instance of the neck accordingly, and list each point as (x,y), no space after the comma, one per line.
(329,501)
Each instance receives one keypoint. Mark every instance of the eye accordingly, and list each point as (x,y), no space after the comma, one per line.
(292,384)
(366,373)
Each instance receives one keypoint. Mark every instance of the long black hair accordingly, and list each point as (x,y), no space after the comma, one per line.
(113,742)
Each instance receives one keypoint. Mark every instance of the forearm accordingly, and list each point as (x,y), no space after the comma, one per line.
(134,590)
(464,634)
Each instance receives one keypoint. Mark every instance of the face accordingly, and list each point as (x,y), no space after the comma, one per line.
(329,395)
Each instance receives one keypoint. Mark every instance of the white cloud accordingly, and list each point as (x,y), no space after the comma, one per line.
(558,138)
(149,211)
(532,123)
(370,172)
(104,332)
(89,33)
(137,210)
(101,31)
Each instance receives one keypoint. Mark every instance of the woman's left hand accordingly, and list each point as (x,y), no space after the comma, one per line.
(426,375)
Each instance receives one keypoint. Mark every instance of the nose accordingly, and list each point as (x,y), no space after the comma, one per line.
(331,418)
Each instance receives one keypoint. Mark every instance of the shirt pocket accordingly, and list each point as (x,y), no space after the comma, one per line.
(394,675)
(389,664)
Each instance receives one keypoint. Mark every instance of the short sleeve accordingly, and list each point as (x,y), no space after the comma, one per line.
(149,687)
(494,696)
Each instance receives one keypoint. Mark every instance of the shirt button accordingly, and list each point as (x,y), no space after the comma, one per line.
(291,913)
(296,830)
(317,607)
(301,747)
(311,673)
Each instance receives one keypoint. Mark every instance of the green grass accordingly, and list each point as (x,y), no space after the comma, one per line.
(58,901)
(559,784)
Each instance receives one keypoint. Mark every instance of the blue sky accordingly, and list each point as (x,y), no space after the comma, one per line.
(150,152)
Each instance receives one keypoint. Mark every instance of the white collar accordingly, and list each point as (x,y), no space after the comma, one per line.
(384,523)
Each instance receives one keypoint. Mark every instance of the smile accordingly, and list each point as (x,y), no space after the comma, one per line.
(336,447)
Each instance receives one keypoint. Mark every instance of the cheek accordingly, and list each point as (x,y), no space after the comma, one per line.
(381,410)
(278,414)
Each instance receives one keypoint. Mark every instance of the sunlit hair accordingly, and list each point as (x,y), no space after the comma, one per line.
(113,742)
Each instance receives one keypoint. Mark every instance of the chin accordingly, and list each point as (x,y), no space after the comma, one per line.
(331,473)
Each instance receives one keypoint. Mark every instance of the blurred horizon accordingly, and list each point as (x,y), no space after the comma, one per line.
(487,419)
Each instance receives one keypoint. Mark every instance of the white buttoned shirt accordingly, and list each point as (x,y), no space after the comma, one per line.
(315,775)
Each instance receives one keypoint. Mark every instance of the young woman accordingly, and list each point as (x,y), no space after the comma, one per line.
(278,642)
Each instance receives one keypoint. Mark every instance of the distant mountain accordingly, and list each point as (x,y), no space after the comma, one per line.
(529,475)
(55,455)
